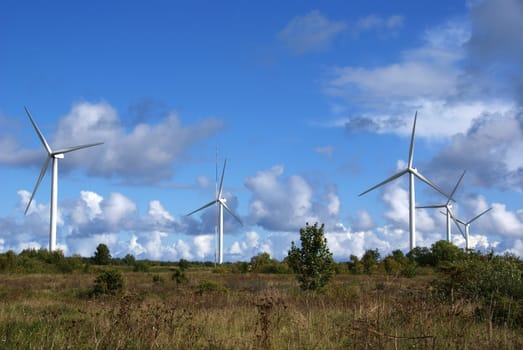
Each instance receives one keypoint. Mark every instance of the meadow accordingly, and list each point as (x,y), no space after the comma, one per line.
(213,308)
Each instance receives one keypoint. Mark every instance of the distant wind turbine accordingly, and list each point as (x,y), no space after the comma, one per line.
(222,203)
(54,155)
(466,224)
(448,207)
(413,172)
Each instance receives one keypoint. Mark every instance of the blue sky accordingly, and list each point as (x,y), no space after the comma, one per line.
(311,103)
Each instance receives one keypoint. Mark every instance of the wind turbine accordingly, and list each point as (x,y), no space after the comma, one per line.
(412,172)
(448,207)
(222,203)
(466,224)
(54,155)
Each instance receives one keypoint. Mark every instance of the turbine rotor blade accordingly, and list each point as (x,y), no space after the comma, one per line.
(42,174)
(451,198)
(428,182)
(411,149)
(431,206)
(203,207)
(456,222)
(75,148)
(38,132)
(477,216)
(230,211)
(221,181)
(393,177)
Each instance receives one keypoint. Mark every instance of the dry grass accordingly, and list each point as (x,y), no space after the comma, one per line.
(234,311)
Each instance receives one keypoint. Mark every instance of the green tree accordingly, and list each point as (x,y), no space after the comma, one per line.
(370,261)
(444,252)
(313,262)
(129,260)
(354,265)
(102,256)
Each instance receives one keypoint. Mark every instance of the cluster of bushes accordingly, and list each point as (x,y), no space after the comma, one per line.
(493,283)
(40,261)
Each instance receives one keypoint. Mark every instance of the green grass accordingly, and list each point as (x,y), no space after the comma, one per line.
(238,311)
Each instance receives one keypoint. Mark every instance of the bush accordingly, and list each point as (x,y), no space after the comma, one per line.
(157,279)
(141,266)
(312,262)
(179,276)
(494,282)
(109,282)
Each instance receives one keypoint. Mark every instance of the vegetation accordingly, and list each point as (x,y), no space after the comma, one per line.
(102,256)
(313,262)
(109,282)
(454,300)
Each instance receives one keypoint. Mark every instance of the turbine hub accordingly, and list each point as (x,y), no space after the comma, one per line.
(58,156)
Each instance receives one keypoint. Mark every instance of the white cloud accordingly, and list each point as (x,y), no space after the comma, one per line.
(203,245)
(282,203)
(157,145)
(310,33)
(117,208)
(376,22)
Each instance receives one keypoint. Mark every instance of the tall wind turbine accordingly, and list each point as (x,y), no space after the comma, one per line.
(466,224)
(54,155)
(222,203)
(412,172)
(448,207)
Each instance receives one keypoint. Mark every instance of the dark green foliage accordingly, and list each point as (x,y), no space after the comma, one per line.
(183,264)
(495,282)
(141,266)
(444,252)
(179,276)
(312,262)
(422,256)
(158,279)
(370,261)
(109,282)
(102,256)
(354,265)
(129,260)
(263,263)
(398,264)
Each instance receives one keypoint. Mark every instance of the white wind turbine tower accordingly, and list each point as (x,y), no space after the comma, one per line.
(222,203)
(466,224)
(412,172)
(54,155)
(448,207)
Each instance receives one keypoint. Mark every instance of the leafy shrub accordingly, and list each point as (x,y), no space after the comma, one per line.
(494,282)
(141,266)
(179,276)
(313,262)
(109,282)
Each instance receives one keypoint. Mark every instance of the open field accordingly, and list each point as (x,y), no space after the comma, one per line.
(238,311)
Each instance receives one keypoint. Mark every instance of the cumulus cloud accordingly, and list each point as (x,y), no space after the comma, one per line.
(157,145)
(312,32)
(286,204)
(489,151)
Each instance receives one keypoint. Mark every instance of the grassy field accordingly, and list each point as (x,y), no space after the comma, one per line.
(238,311)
